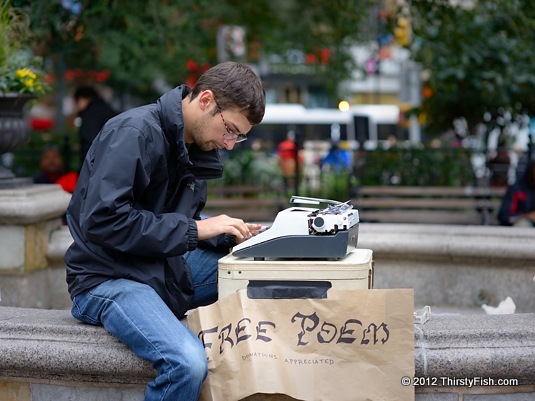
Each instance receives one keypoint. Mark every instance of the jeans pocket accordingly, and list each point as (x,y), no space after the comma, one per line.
(81,309)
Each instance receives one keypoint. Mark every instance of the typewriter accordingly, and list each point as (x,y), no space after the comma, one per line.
(306,233)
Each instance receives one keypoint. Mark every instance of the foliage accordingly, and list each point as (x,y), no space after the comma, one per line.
(141,43)
(410,166)
(246,167)
(22,74)
(418,167)
(334,184)
(20,71)
(478,59)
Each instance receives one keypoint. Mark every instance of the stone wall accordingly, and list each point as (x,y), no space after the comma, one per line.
(48,356)
(30,274)
(452,267)
(459,267)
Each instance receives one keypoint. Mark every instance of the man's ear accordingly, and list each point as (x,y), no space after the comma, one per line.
(206,100)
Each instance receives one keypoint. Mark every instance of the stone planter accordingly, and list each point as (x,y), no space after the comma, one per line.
(14,132)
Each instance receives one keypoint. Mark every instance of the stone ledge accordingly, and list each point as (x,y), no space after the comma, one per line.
(511,245)
(496,346)
(51,344)
(32,204)
(59,242)
(456,266)
(481,244)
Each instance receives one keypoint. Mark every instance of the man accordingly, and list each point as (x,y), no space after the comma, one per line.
(93,112)
(141,255)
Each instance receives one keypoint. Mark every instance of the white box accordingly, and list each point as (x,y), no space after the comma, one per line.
(355,271)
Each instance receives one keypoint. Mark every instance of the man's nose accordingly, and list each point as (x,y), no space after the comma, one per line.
(229,145)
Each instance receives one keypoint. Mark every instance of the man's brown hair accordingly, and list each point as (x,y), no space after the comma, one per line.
(235,85)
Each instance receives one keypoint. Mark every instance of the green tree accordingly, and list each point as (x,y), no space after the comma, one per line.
(477,57)
(140,41)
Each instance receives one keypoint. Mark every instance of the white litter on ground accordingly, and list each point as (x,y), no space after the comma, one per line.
(505,307)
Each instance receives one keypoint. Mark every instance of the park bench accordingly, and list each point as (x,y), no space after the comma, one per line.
(434,205)
(252,203)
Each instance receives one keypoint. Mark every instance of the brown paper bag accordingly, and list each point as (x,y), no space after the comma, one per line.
(354,345)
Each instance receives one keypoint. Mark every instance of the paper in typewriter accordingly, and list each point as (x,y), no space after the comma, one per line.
(355,345)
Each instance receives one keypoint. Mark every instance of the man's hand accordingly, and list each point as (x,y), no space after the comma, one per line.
(210,227)
(253,229)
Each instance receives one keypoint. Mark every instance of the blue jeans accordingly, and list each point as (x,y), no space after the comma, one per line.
(135,314)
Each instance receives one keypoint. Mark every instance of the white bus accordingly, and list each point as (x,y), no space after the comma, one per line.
(378,125)
(306,124)
(363,125)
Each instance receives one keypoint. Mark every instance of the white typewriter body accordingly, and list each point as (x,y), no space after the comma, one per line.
(306,233)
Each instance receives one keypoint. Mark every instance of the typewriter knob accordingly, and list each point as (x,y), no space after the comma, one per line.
(319,222)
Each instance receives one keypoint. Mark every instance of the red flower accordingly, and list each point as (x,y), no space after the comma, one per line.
(192,65)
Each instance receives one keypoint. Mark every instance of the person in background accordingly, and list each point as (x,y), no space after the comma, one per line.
(498,165)
(337,159)
(51,170)
(290,161)
(93,112)
(518,203)
(141,254)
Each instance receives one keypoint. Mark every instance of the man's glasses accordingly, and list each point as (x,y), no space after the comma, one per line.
(229,136)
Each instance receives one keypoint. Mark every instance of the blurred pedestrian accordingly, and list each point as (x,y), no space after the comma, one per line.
(290,161)
(51,170)
(93,112)
(337,159)
(498,165)
(518,204)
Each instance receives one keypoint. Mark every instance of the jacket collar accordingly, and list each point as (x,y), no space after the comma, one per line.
(203,164)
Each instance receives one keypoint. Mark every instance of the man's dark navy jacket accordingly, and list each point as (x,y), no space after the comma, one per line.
(132,214)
